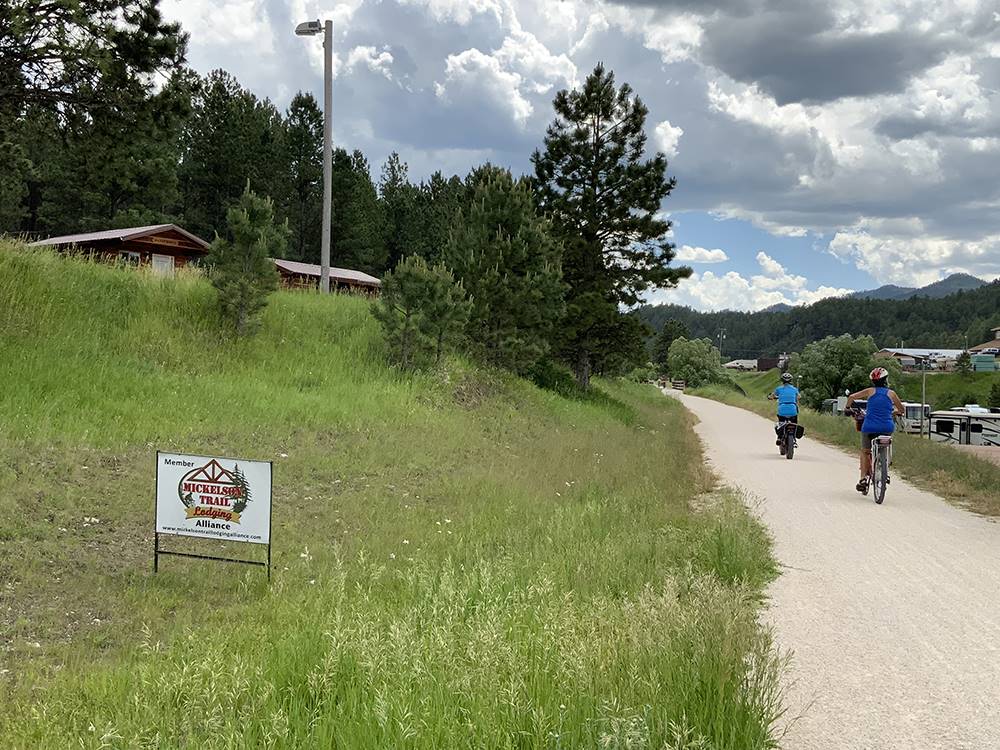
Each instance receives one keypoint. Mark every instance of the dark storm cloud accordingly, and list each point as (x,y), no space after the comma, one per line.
(793,55)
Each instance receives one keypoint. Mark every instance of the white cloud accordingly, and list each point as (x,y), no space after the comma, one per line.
(521,52)
(899,252)
(596,24)
(667,137)
(732,291)
(459,11)
(369,57)
(688,254)
(472,74)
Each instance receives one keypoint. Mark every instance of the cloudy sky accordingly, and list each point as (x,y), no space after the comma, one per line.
(818,145)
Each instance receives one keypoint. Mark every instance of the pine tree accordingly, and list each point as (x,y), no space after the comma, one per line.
(670,331)
(604,197)
(422,309)
(240,266)
(231,137)
(963,363)
(303,164)
(993,401)
(358,241)
(508,262)
(399,208)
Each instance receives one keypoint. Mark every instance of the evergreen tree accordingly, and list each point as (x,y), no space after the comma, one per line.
(422,309)
(231,137)
(437,202)
(508,262)
(672,330)
(993,401)
(963,363)
(71,56)
(303,163)
(399,208)
(604,196)
(117,166)
(240,266)
(358,241)
(625,350)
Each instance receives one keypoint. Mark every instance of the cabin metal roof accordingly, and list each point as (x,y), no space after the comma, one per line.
(337,274)
(131,233)
(919,353)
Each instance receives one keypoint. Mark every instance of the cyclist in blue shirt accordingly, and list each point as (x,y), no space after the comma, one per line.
(883,405)
(787,396)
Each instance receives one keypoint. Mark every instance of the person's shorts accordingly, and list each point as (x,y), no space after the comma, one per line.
(867,437)
(794,419)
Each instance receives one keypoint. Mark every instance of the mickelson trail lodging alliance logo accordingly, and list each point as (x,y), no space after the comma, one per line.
(212,494)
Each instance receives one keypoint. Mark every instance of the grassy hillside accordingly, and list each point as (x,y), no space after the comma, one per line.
(460,559)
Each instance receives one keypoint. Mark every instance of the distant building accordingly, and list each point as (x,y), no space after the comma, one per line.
(911,358)
(163,247)
(741,364)
(989,347)
(295,275)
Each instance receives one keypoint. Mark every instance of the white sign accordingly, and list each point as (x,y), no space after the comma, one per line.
(213,498)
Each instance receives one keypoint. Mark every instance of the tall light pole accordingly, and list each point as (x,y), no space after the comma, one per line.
(311,28)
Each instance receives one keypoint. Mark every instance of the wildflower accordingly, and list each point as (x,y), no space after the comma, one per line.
(312,581)
(558,494)
(392,555)
(283,455)
(406,541)
(438,523)
(447,520)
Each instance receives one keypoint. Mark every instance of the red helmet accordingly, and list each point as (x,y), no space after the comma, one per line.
(879,373)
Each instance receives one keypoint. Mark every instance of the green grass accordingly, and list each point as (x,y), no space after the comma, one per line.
(460,558)
(963,479)
(947,389)
(944,389)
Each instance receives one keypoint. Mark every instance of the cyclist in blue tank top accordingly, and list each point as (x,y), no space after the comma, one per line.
(883,405)
(787,396)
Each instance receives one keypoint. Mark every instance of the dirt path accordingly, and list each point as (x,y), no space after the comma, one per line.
(893,612)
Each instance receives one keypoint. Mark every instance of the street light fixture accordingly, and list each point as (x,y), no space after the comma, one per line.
(311,28)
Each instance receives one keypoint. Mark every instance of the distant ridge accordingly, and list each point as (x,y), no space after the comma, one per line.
(945,315)
(957,282)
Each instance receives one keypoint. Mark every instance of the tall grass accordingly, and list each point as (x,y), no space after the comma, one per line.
(961,478)
(460,560)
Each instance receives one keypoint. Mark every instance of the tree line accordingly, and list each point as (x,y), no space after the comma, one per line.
(953,322)
(102,124)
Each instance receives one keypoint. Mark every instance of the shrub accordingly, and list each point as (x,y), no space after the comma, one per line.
(423,311)
(240,266)
(695,362)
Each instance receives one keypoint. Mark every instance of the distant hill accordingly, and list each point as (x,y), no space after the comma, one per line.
(957,282)
(779,307)
(927,317)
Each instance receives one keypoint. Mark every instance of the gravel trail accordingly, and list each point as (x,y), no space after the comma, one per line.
(892,612)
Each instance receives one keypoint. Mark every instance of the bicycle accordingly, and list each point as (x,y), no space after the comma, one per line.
(878,467)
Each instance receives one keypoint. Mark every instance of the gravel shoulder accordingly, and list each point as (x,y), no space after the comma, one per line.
(892,612)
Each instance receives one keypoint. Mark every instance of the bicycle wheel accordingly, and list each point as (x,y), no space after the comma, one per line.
(789,444)
(880,473)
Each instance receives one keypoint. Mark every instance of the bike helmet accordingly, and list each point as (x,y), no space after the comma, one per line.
(879,373)
(786,377)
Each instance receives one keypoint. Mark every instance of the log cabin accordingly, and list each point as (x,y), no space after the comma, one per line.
(163,247)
